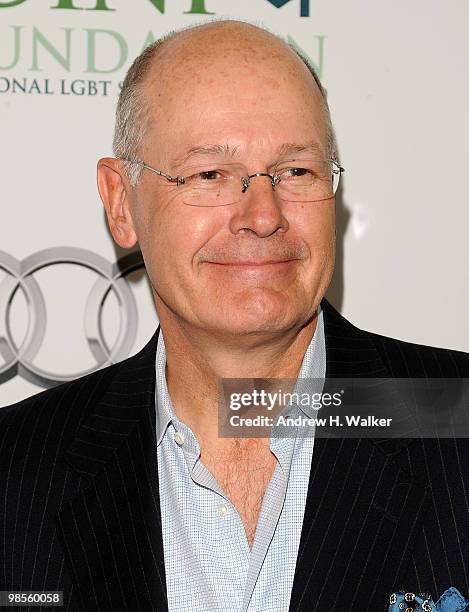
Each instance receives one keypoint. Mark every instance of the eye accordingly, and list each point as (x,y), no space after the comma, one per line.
(295,172)
(201,177)
(208,175)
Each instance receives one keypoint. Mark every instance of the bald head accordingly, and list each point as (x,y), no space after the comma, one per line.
(183,66)
(226,40)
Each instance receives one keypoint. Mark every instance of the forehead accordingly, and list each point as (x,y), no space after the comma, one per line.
(218,83)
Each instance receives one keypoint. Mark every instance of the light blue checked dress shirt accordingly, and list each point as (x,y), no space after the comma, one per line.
(209,566)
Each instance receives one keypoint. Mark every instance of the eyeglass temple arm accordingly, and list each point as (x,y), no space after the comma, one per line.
(179,180)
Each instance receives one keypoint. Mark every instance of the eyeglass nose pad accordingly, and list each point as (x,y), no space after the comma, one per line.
(245,181)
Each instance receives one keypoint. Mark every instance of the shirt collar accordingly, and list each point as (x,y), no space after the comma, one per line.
(164,407)
(313,367)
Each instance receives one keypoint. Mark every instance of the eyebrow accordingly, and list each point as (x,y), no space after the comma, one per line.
(209,149)
(286,148)
(290,147)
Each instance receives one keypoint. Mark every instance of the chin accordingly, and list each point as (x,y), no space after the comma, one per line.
(239,328)
(267,316)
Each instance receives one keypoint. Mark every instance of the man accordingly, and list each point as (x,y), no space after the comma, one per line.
(117,488)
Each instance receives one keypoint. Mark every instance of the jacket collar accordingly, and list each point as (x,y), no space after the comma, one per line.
(363,509)
(111,530)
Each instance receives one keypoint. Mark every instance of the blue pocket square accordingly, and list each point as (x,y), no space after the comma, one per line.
(450,601)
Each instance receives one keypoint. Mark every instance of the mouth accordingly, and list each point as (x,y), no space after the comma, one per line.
(252,263)
(254,268)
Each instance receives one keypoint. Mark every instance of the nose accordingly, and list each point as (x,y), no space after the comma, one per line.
(260,209)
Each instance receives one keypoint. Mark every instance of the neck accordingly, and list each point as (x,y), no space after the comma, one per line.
(197,360)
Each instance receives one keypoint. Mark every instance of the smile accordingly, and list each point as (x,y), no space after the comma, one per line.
(251,263)
(255,268)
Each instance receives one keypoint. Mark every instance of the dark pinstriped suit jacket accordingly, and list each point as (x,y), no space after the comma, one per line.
(79,501)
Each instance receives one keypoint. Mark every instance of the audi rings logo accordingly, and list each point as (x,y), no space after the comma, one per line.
(110,277)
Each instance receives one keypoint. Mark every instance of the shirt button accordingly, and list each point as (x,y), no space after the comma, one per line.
(179,438)
(223,510)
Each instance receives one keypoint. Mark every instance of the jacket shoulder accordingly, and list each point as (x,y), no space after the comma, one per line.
(54,412)
(401,359)
(408,360)
(50,419)
(79,395)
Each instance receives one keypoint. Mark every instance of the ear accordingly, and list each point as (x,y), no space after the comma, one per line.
(114,189)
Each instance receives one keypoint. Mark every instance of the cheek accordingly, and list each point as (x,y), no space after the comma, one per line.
(315,225)
(178,233)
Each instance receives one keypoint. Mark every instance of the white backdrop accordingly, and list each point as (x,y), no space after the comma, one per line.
(396,75)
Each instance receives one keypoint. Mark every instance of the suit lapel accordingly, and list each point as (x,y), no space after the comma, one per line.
(363,509)
(111,532)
